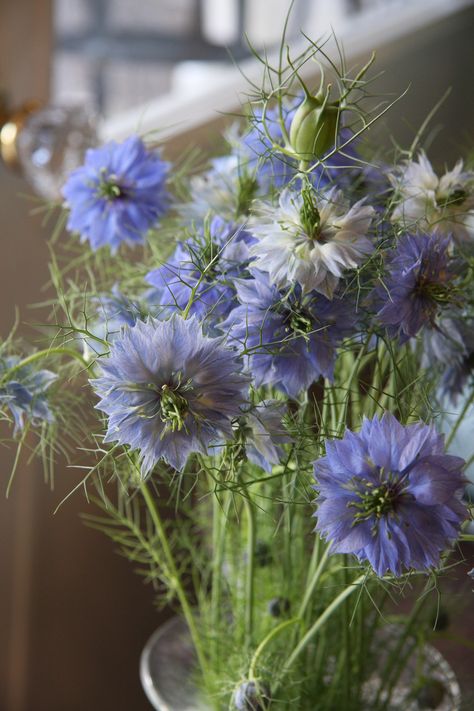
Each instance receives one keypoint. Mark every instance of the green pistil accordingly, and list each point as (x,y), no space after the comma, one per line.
(435,291)
(241,433)
(246,192)
(309,214)
(456,197)
(109,188)
(173,408)
(207,259)
(375,502)
(300,324)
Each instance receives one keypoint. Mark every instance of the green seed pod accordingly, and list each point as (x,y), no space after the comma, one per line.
(314,126)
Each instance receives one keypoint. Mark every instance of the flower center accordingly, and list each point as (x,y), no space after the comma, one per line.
(455,197)
(309,215)
(300,324)
(375,502)
(206,259)
(109,188)
(246,190)
(436,291)
(173,408)
(242,432)
(297,321)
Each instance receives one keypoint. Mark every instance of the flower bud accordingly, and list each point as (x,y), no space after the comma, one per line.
(263,554)
(314,126)
(279,606)
(252,696)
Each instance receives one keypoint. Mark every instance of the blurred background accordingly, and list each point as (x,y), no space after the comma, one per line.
(73,617)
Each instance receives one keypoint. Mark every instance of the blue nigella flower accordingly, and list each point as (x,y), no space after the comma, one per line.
(418,283)
(168,391)
(255,151)
(390,495)
(24,392)
(252,696)
(458,377)
(113,311)
(207,265)
(449,347)
(226,189)
(117,195)
(262,433)
(290,339)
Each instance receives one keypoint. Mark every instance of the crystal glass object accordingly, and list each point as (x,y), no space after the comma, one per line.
(166,669)
(51,143)
(167,665)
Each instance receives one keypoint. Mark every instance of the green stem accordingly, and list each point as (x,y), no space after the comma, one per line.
(387,395)
(325,410)
(469,462)
(313,563)
(301,646)
(45,354)
(249,591)
(219,515)
(15,463)
(400,665)
(345,617)
(361,645)
(388,679)
(333,410)
(459,419)
(314,581)
(382,379)
(207,268)
(353,372)
(261,647)
(175,581)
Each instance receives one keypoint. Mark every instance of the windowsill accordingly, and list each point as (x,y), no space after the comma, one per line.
(219,91)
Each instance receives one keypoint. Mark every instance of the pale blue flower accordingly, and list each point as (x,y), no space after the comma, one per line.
(169,391)
(290,338)
(262,433)
(24,392)
(117,195)
(113,312)
(418,283)
(390,495)
(202,272)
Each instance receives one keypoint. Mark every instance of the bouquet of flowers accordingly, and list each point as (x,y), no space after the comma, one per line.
(257,391)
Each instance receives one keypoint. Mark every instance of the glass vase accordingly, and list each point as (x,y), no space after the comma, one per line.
(168,661)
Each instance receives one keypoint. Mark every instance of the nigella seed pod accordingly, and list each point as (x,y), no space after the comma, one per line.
(314,126)
(263,554)
(252,696)
(431,694)
(279,606)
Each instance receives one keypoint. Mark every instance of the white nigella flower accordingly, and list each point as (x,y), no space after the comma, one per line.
(444,205)
(225,190)
(310,238)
